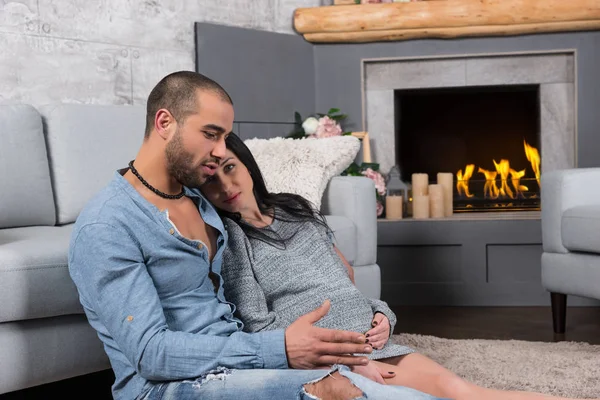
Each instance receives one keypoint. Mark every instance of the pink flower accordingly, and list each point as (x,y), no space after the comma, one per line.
(328,127)
(377,178)
(379,208)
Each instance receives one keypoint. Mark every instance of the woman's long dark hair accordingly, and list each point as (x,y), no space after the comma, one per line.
(295,208)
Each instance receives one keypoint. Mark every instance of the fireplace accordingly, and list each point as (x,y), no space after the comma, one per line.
(487,136)
(494,121)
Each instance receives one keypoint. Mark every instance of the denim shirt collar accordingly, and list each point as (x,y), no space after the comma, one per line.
(206,209)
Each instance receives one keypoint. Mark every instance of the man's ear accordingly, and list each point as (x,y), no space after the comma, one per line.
(164,124)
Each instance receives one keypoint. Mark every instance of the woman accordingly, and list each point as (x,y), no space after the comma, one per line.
(281,263)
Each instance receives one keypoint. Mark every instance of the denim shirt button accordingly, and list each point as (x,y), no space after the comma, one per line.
(171,231)
(200,246)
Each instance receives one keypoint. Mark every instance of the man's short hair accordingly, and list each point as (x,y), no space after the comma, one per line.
(176,92)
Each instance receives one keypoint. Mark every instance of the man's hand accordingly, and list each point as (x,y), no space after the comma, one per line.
(310,347)
(373,372)
(380,334)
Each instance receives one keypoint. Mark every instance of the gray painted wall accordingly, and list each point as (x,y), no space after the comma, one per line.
(113,51)
(337,75)
(472,263)
(268,75)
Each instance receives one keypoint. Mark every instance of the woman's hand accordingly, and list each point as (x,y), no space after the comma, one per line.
(373,372)
(380,334)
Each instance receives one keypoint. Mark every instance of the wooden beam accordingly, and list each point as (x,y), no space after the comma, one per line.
(442,14)
(449,33)
(346,2)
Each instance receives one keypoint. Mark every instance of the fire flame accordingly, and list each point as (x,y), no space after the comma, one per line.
(462,182)
(515,178)
(490,186)
(533,156)
(503,169)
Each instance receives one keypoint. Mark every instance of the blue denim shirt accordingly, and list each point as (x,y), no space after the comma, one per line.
(146,290)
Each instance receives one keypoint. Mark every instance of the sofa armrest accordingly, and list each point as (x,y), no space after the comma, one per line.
(354,197)
(561,190)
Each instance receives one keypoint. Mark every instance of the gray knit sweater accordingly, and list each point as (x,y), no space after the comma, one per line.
(272,286)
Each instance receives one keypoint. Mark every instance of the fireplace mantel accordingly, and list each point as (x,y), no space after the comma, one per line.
(444,19)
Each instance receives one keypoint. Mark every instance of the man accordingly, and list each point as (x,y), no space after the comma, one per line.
(146,256)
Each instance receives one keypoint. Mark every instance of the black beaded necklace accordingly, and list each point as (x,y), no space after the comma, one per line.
(155,190)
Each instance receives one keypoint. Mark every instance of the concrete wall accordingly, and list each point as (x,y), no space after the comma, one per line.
(113,51)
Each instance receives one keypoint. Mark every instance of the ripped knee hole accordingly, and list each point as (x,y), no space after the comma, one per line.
(333,386)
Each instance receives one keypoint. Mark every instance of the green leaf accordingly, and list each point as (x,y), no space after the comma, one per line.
(333,111)
(298,118)
(338,117)
(356,1)
(320,115)
(352,170)
(296,135)
(346,133)
(297,132)
(373,166)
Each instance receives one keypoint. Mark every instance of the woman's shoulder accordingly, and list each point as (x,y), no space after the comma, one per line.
(234,230)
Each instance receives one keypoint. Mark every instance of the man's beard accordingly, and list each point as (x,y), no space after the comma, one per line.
(179,163)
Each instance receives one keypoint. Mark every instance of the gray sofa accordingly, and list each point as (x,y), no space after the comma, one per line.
(570,237)
(53,159)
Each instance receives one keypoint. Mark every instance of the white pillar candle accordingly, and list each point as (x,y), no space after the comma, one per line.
(420,183)
(436,201)
(420,207)
(393,207)
(366,149)
(446,180)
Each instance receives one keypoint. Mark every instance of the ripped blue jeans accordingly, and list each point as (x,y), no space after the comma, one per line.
(261,384)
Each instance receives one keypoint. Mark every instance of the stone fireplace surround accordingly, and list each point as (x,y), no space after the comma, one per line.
(554,72)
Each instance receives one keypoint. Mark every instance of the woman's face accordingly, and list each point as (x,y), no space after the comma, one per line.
(231,187)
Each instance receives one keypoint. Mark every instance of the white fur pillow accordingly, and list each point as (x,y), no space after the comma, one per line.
(303,166)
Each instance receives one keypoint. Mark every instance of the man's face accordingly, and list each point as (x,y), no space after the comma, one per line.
(196,148)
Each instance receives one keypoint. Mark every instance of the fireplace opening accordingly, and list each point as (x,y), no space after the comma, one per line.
(487,136)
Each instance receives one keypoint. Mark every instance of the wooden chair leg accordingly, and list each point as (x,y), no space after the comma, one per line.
(559,311)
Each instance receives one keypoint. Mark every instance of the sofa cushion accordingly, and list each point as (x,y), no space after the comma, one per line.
(34,279)
(26,192)
(344,235)
(86,145)
(580,228)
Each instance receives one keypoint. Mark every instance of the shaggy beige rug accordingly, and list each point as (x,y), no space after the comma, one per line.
(567,369)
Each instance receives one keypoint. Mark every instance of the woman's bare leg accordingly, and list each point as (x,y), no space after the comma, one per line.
(419,372)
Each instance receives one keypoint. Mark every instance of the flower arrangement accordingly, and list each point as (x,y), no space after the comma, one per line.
(319,125)
(327,125)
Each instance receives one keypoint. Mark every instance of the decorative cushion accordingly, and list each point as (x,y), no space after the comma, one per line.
(87,144)
(303,166)
(26,197)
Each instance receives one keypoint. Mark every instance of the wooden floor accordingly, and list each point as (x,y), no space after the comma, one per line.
(521,323)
